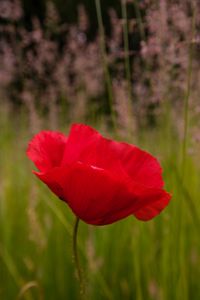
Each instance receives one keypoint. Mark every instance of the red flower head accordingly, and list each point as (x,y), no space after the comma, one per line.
(101,180)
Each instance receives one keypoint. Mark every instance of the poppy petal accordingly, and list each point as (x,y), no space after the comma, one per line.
(55,179)
(88,146)
(141,166)
(46,149)
(80,138)
(150,211)
(93,194)
(98,197)
(146,203)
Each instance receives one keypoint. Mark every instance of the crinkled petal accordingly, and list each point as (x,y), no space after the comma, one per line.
(46,149)
(140,165)
(80,138)
(86,145)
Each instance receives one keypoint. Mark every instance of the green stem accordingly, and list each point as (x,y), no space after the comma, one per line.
(76,257)
(190,202)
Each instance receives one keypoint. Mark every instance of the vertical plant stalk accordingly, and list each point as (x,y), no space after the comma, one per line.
(143,36)
(126,47)
(139,19)
(104,61)
(182,281)
(188,91)
(127,64)
(76,257)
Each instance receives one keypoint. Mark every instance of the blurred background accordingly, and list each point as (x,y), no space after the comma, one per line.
(131,69)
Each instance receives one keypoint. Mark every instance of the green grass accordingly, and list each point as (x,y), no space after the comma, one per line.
(126,260)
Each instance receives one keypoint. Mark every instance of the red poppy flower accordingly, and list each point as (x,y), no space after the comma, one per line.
(100,179)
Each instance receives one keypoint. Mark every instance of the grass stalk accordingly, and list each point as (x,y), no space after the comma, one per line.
(182,281)
(126,47)
(127,63)
(105,64)
(188,91)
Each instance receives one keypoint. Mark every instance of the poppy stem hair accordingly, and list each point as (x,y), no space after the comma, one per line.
(76,257)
